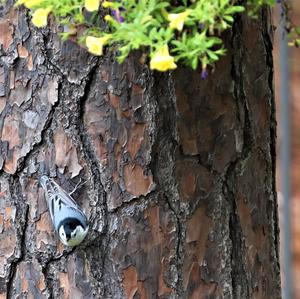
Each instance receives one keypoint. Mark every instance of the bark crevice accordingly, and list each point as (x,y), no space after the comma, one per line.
(22,223)
(49,277)
(23,163)
(267,35)
(101,240)
(240,283)
(164,154)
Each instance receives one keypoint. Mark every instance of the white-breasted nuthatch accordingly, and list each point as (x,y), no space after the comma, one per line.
(68,219)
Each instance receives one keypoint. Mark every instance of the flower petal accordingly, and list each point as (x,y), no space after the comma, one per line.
(177,20)
(40,17)
(31,3)
(95,44)
(91,5)
(162,60)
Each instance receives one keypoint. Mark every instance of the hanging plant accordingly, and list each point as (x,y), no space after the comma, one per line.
(169,32)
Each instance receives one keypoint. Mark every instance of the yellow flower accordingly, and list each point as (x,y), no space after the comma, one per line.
(30,3)
(107,4)
(95,44)
(40,17)
(92,5)
(177,19)
(162,61)
(108,18)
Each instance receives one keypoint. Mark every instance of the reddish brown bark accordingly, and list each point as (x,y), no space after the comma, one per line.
(180,190)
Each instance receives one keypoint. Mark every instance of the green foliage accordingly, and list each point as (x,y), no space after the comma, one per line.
(188,29)
(294,37)
(198,47)
(254,5)
(293,31)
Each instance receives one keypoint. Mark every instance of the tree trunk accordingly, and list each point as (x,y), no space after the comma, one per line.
(180,191)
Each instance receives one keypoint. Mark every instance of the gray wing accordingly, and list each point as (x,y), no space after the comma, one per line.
(62,210)
(61,204)
(64,196)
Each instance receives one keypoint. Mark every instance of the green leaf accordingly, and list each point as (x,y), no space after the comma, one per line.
(234,9)
(228,18)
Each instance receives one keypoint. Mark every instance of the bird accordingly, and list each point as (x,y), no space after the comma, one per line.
(69,221)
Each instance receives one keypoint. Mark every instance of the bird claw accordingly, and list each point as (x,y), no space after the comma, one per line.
(78,185)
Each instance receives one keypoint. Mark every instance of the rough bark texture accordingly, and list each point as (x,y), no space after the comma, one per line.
(180,189)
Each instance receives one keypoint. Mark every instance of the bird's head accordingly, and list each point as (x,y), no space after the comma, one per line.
(71,232)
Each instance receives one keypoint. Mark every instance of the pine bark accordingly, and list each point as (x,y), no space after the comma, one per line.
(180,189)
